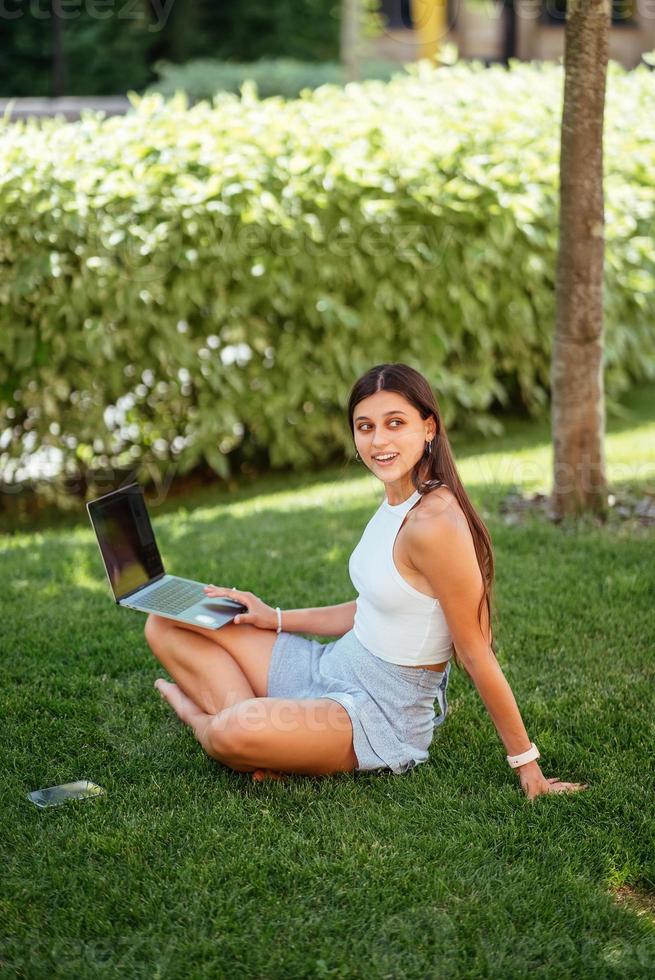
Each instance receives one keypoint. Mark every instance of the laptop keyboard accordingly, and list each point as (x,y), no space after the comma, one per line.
(172,597)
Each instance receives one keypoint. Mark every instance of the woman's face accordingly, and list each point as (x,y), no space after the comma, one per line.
(387,423)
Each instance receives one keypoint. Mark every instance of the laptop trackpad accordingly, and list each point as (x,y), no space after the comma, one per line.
(221,608)
(211,613)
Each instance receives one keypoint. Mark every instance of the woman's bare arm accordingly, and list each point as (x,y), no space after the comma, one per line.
(493,687)
(442,549)
(321,620)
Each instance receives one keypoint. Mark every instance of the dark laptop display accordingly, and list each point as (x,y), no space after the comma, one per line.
(136,571)
(127,542)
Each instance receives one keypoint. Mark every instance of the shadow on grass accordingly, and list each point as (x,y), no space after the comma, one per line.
(195,492)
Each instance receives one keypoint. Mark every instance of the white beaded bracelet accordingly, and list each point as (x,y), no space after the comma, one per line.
(527,756)
(279,619)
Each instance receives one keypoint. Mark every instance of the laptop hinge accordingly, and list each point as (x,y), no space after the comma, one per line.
(141,587)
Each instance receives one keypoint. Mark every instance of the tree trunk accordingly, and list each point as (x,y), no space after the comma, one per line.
(350,38)
(578,399)
(509,28)
(58,57)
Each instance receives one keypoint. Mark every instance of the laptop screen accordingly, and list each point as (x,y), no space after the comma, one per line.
(126,540)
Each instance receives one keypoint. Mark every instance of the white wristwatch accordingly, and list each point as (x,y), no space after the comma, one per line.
(520,760)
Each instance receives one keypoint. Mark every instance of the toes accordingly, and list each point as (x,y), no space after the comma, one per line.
(259,775)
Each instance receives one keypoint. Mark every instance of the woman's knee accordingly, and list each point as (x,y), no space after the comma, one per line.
(156,627)
(228,738)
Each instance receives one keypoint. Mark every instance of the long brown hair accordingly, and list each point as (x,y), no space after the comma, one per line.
(435,468)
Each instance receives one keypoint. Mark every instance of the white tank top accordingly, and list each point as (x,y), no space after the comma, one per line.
(394,620)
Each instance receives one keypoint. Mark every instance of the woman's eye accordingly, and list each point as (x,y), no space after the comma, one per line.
(364,425)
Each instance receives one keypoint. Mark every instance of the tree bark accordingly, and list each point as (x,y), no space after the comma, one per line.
(350,26)
(509,30)
(577,390)
(58,56)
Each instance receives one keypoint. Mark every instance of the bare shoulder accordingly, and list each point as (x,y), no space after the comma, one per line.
(439,507)
(440,529)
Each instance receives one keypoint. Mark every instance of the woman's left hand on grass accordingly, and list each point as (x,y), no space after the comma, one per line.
(534,783)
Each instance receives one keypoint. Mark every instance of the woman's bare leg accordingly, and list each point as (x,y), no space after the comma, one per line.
(200,722)
(190,713)
(202,668)
(306,736)
(212,675)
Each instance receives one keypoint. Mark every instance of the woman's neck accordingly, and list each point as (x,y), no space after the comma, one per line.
(396,495)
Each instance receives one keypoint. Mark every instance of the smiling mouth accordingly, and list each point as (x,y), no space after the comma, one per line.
(385,462)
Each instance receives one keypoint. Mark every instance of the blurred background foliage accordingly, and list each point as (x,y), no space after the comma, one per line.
(159,268)
(111,49)
(187,285)
(202,78)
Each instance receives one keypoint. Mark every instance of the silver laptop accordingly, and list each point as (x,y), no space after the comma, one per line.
(135,570)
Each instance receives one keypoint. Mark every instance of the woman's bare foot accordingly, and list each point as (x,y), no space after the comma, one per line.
(259,775)
(189,712)
(185,709)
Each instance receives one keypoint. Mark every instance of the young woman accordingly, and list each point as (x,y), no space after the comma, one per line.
(260,698)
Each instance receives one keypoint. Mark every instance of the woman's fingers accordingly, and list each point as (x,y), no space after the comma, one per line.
(553,784)
(223,590)
(556,779)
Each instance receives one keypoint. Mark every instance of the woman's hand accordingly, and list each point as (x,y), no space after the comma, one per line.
(534,783)
(259,614)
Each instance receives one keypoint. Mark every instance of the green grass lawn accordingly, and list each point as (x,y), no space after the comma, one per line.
(187,869)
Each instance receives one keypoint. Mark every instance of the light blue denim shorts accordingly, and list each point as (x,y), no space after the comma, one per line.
(391,706)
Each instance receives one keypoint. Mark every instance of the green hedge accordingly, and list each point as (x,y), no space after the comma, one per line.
(204,77)
(223,273)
